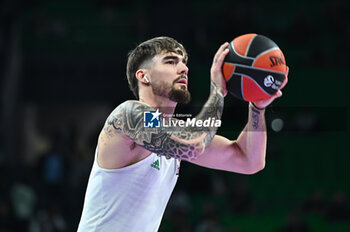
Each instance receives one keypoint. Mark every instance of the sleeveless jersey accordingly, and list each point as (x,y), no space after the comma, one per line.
(130,199)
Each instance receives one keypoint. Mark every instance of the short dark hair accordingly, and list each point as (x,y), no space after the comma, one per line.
(147,50)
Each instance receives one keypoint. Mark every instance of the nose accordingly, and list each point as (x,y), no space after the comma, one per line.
(183,69)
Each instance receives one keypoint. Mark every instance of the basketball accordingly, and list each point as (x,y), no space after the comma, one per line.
(254,68)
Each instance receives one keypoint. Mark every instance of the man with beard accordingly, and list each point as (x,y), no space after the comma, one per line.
(136,167)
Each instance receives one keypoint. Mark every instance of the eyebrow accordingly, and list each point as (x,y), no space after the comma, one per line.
(174,58)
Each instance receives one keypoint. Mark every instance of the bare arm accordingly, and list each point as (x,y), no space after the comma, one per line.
(245,155)
(185,143)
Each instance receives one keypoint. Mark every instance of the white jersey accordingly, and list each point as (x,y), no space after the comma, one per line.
(130,199)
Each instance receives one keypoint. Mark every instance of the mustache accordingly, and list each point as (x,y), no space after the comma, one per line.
(182,76)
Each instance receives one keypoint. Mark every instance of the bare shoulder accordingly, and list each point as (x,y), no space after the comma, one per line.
(122,118)
(125,120)
(127,114)
(116,147)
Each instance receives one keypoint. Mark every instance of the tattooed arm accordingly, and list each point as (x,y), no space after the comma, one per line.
(185,143)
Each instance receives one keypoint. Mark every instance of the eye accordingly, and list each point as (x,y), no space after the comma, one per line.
(170,62)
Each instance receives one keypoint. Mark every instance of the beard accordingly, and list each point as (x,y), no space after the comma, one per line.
(181,95)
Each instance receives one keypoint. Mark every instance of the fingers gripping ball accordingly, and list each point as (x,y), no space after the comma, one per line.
(255,67)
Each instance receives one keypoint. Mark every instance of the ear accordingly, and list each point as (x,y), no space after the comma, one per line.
(140,75)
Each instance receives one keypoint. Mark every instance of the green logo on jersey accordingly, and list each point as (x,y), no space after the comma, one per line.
(155,165)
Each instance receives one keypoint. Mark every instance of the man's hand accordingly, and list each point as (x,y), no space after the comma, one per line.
(216,68)
(264,103)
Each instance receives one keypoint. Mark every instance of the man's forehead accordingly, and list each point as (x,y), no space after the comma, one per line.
(166,54)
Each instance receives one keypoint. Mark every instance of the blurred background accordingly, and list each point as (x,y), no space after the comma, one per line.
(62,70)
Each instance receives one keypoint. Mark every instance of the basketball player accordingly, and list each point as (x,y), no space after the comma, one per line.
(136,168)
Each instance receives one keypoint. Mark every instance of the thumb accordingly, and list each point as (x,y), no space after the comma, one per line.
(278,94)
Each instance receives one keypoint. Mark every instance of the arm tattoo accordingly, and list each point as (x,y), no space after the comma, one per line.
(185,143)
(257,119)
(213,108)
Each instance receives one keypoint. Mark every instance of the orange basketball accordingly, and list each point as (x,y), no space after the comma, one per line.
(255,67)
